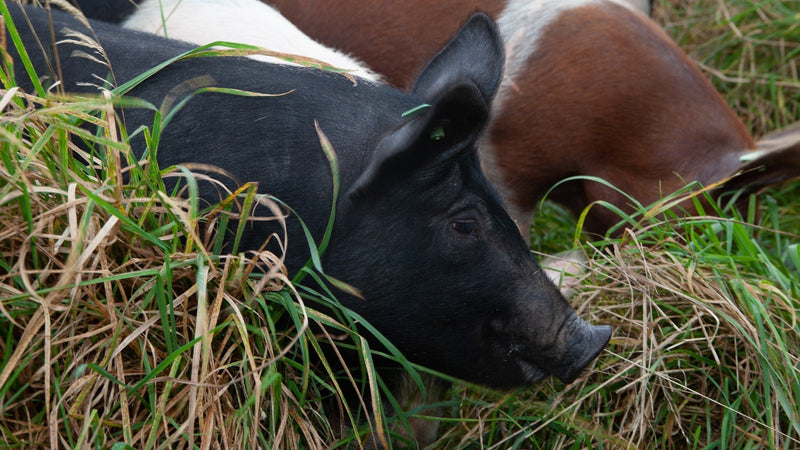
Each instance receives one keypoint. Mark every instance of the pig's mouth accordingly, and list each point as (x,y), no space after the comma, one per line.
(531,373)
(566,373)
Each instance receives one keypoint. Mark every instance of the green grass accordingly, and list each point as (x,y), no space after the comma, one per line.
(749,50)
(122,323)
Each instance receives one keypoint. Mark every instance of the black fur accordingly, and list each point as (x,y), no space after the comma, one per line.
(419,231)
(114,11)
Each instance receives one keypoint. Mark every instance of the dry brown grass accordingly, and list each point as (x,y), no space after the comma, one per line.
(681,333)
(101,312)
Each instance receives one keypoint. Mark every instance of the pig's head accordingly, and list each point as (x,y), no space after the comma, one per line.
(442,268)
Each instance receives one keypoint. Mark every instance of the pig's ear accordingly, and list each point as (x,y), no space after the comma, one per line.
(457,85)
(475,54)
(775,160)
(439,132)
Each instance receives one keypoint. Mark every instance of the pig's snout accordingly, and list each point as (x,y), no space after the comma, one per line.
(560,350)
(583,342)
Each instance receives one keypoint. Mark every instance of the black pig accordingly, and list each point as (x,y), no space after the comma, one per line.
(418,230)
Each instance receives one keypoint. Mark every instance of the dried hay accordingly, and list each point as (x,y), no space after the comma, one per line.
(101,312)
(700,356)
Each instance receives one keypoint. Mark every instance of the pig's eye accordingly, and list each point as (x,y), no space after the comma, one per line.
(465,227)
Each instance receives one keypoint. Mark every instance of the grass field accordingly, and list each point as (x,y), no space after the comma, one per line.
(115,332)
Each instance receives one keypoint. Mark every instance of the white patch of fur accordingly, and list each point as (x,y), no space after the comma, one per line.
(241,21)
(641,5)
(565,270)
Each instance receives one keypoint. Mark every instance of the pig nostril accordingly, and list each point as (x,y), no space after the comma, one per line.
(597,341)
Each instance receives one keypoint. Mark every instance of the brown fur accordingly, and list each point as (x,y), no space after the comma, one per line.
(608,94)
(395,39)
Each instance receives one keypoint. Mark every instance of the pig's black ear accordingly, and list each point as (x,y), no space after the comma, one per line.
(442,130)
(474,54)
(458,85)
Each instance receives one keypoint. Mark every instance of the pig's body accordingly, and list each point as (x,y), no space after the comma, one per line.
(418,229)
